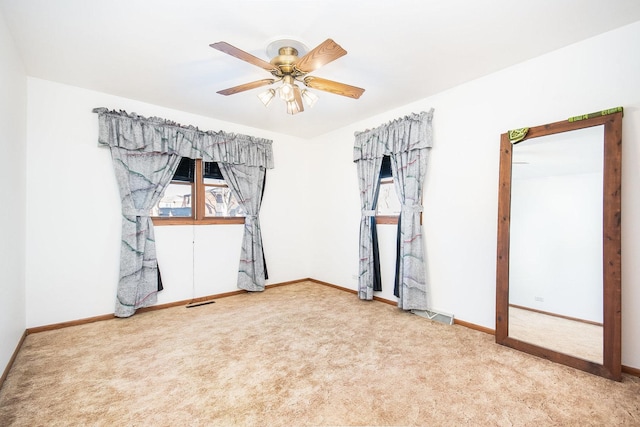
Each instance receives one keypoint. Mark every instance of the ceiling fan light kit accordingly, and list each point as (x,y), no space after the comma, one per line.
(267,96)
(286,90)
(288,69)
(309,97)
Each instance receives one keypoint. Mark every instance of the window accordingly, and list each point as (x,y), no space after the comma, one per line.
(197,194)
(388,206)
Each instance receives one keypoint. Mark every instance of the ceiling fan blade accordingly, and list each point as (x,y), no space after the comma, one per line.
(241,54)
(297,97)
(324,53)
(246,86)
(333,87)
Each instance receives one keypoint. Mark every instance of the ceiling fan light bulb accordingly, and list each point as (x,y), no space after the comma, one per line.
(286,92)
(267,96)
(309,97)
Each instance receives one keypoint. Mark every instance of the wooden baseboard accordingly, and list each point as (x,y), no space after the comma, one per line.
(13,358)
(290,282)
(351,291)
(331,285)
(474,326)
(61,325)
(631,371)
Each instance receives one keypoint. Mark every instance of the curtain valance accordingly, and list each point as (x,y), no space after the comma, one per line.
(138,133)
(408,133)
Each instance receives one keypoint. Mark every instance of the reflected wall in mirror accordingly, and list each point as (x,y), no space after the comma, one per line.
(558,266)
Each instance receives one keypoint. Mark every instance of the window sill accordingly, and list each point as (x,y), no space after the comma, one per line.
(190,221)
(387,219)
(391,219)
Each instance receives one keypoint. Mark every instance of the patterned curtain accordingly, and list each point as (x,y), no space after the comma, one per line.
(409,169)
(247,184)
(142,178)
(146,153)
(407,141)
(369,264)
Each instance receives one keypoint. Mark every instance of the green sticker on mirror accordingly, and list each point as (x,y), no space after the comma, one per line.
(517,135)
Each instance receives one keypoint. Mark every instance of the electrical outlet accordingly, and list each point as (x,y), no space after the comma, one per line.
(354,276)
(539,299)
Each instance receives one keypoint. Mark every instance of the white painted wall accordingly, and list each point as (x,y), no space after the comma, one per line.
(13,84)
(461,194)
(73,237)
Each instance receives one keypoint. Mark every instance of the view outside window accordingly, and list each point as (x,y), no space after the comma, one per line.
(218,199)
(202,185)
(175,202)
(388,202)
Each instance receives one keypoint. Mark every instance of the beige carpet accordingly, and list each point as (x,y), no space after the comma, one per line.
(302,354)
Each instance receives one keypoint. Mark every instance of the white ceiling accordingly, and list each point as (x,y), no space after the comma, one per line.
(399,51)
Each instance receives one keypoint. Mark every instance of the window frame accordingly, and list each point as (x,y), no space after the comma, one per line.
(389,219)
(385,219)
(198,198)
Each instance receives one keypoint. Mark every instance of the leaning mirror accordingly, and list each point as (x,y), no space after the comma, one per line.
(558,265)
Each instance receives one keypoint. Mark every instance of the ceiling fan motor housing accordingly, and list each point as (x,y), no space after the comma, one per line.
(287,57)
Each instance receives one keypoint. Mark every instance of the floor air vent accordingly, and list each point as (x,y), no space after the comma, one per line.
(447,319)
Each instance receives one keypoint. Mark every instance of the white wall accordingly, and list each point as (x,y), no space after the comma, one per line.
(13,87)
(461,194)
(73,237)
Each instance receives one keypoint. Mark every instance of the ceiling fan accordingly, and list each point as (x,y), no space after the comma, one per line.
(287,67)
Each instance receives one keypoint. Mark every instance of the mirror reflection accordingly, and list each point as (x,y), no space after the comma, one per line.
(555,275)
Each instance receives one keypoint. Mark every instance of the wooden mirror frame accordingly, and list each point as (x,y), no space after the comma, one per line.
(612,365)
